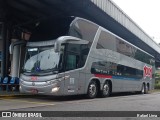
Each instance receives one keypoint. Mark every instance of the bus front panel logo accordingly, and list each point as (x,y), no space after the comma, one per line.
(147,72)
(33,78)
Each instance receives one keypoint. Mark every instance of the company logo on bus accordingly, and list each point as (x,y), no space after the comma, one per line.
(33,78)
(147,72)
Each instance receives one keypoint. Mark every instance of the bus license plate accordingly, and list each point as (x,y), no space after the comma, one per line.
(34,91)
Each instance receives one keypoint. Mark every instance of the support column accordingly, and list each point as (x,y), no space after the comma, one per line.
(4,63)
(0,49)
(4,48)
(15,60)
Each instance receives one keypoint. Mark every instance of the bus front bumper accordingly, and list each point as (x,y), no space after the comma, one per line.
(41,88)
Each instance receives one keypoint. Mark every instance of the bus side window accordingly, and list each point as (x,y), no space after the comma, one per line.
(84,55)
(84,50)
(72,62)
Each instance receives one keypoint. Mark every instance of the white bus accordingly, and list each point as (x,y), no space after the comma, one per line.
(84,58)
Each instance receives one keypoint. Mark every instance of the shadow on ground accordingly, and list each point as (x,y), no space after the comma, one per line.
(67,98)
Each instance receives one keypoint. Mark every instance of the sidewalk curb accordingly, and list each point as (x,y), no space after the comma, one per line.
(13,94)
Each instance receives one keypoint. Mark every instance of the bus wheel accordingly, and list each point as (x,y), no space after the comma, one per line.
(106,90)
(146,89)
(92,90)
(143,89)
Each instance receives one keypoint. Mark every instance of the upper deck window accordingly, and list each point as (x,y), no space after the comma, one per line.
(83,29)
(109,41)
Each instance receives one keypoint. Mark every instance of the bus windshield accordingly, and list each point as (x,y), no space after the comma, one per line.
(42,59)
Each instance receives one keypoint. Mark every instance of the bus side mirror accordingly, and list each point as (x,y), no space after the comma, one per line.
(68,39)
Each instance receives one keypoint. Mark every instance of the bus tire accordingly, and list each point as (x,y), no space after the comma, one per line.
(106,90)
(92,90)
(143,89)
(146,89)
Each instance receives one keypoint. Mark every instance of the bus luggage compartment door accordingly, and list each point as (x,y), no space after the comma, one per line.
(71,84)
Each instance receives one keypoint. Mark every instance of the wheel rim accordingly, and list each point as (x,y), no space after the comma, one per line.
(92,89)
(143,89)
(106,89)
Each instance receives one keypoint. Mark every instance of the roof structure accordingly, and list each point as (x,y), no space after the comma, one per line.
(103,12)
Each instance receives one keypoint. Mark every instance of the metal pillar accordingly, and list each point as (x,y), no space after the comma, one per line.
(0,48)
(4,49)
(15,51)
(15,61)
(4,33)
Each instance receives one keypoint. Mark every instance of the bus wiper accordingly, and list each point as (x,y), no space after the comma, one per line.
(50,70)
(55,72)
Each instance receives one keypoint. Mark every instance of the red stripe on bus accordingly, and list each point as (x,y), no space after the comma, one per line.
(102,76)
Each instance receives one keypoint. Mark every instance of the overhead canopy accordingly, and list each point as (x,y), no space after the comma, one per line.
(22,13)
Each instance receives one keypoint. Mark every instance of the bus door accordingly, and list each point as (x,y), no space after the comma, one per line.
(75,58)
(71,72)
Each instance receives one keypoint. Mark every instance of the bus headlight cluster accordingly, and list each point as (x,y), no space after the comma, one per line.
(55,81)
(50,82)
(55,89)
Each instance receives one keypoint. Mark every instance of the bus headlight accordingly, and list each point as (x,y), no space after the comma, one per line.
(51,82)
(55,89)
(55,80)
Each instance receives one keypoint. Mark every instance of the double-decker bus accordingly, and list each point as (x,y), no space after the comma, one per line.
(76,56)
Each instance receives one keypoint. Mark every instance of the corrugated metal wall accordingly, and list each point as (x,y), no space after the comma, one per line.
(116,13)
